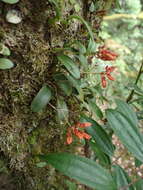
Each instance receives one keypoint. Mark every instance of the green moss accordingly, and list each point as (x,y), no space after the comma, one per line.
(24,134)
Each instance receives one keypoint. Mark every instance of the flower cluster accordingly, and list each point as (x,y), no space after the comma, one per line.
(105,54)
(75,131)
(107,73)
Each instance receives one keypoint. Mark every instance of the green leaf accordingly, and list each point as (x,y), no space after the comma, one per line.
(6,63)
(62,110)
(92,7)
(63,83)
(71,185)
(117,4)
(100,136)
(77,7)
(65,86)
(81,47)
(126,110)
(83,60)
(82,169)
(41,164)
(4,50)
(138,90)
(104,159)
(121,178)
(95,109)
(41,99)
(138,163)
(127,132)
(74,82)
(70,65)
(91,46)
(77,84)
(139,184)
(10,1)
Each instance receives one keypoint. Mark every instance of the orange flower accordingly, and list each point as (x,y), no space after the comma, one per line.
(106,55)
(86,136)
(83,125)
(69,137)
(107,73)
(69,140)
(80,134)
(110,69)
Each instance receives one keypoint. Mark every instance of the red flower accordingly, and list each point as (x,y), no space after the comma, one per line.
(103,80)
(80,134)
(107,73)
(106,54)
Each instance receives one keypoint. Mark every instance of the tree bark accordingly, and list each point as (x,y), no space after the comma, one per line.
(24,134)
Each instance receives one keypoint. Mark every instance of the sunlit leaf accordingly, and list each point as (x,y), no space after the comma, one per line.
(4,50)
(6,63)
(10,1)
(41,164)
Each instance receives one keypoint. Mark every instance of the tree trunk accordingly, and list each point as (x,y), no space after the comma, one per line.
(24,134)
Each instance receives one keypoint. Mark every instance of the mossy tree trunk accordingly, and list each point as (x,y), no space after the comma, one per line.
(32,42)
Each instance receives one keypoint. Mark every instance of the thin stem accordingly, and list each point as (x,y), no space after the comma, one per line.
(137,79)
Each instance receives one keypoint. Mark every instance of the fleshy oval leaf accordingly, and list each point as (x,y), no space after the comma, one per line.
(4,50)
(10,1)
(6,63)
(41,99)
